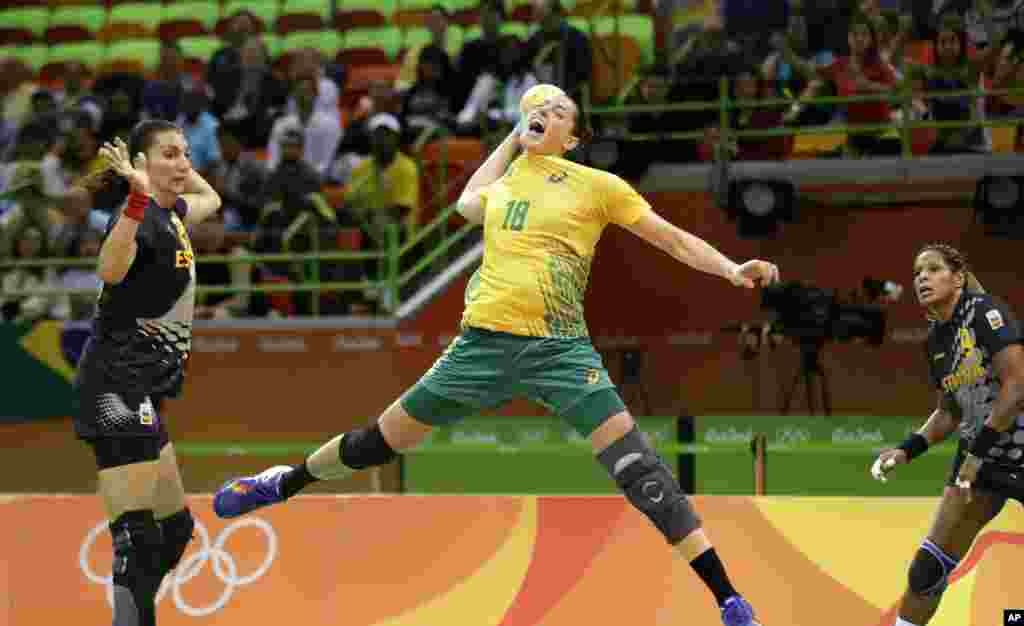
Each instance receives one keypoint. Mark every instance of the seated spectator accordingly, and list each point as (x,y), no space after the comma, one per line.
(224,70)
(479,56)
(123,94)
(307,64)
(426,105)
(286,190)
(239,178)
(559,53)
(75,97)
(699,65)
(748,85)
(384,194)
(17,84)
(493,104)
(752,22)
(36,195)
(208,239)
(1009,74)
(85,244)
(29,243)
(260,97)
(862,72)
(354,147)
(953,70)
(653,88)
(162,97)
(81,153)
(437,23)
(322,132)
(200,128)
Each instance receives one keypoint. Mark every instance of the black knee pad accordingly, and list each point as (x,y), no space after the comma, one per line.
(649,486)
(366,447)
(138,567)
(930,570)
(177,532)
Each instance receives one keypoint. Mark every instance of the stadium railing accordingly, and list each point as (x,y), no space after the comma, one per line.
(396,255)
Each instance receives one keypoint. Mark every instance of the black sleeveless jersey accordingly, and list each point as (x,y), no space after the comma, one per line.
(142,329)
(960,359)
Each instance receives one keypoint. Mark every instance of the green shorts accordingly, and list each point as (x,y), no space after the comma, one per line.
(483,369)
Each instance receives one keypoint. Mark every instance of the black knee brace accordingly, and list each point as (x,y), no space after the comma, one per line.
(366,447)
(138,567)
(649,485)
(930,570)
(177,532)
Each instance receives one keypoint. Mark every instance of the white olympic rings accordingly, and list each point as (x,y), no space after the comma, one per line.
(224,566)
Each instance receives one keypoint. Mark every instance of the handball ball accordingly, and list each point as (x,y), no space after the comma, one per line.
(537,95)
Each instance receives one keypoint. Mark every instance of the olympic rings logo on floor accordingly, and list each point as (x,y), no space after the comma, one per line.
(223,564)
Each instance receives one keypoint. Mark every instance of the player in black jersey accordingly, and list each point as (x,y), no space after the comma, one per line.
(976,363)
(141,338)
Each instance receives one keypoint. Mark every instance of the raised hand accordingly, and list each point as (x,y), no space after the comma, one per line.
(134,171)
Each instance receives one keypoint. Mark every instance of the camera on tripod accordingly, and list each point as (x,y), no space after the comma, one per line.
(811,316)
(815,315)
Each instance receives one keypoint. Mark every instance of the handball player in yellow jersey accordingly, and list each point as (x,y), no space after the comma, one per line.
(524,334)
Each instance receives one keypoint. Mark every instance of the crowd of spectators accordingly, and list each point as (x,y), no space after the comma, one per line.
(276,136)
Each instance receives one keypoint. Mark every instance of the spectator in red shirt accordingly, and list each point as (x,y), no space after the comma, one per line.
(860,73)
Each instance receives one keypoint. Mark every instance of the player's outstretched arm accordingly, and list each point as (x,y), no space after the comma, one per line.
(940,424)
(470,203)
(701,255)
(200,197)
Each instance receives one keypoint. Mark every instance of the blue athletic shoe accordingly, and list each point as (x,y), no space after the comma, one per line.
(239,496)
(737,612)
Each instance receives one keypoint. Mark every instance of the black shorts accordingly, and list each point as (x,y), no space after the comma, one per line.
(122,428)
(1007,482)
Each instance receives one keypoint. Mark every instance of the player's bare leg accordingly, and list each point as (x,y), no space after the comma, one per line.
(650,487)
(394,431)
(957,522)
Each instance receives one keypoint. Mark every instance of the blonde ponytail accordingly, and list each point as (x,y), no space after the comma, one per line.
(972,282)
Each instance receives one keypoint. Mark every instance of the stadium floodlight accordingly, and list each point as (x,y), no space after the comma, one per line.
(999,206)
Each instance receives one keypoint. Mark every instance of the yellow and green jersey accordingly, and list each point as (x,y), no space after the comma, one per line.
(542,221)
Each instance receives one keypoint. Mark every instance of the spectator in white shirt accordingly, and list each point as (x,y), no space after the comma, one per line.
(322,131)
(307,64)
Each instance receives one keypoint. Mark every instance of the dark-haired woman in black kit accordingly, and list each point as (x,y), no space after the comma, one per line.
(976,363)
(141,338)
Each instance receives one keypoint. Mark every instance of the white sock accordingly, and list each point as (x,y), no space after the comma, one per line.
(902,622)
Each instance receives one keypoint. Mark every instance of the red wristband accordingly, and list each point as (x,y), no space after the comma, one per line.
(136,207)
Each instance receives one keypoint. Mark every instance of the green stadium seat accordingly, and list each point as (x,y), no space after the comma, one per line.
(413,37)
(146,13)
(90,53)
(206,13)
(34,19)
(32,55)
(413,5)
(639,27)
(471,33)
(518,29)
(388,39)
(328,42)
(144,51)
(200,47)
(313,7)
(90,18)
(273,43)
(454,42)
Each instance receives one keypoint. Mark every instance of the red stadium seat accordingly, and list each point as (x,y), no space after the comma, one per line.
(347,20)
(294,22)
(16,36)
(66,33)
(176,29)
